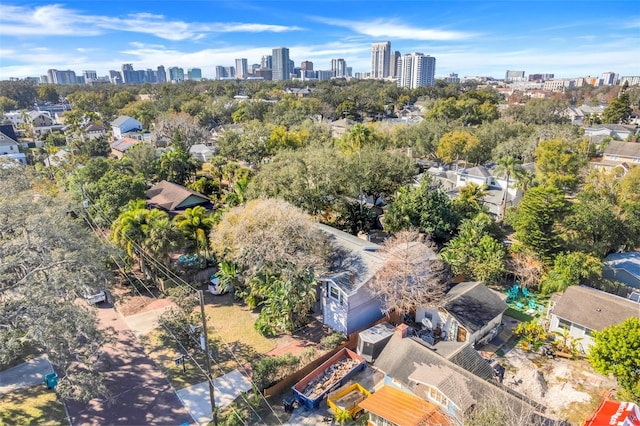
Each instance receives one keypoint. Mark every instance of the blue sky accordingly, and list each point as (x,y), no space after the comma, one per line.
(567,38)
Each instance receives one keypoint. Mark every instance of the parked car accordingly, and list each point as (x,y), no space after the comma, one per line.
(93,298)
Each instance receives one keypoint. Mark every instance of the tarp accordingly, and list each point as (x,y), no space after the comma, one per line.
(615,413)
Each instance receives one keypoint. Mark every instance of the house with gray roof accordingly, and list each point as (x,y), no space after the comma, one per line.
(582,310)
(624,268)
(346,302)
(411,365)
(124,124)
(470,313)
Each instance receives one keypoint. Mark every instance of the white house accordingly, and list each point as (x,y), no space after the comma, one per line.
(124,124)
(8,145)
(583,309)
(202,152)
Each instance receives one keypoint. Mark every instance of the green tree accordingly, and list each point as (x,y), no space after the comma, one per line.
(23,92)
(536,220)
(281,251)
(143,111)
(618,110)
(540,111)
(426,208)
(558,164)
(456,145)
(475,252)
(177,166)
(91,147)
(196,224)
(616,351)
(7,104)
(49,256)
(469,202)
(111,193)
(569,269)
(144,160)
(48,93)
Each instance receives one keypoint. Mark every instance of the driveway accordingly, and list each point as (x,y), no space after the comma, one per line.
(25,375)
(144,322)
(141,395)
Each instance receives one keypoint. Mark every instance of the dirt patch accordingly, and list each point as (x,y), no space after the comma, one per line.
(567,388)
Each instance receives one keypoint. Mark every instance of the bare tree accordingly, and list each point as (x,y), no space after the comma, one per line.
(180,130)
(412,275)
(526,268)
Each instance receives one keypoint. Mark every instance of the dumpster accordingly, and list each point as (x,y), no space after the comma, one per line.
(51,380)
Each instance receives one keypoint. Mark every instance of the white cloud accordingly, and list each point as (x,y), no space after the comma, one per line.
(393,29)
(56,20)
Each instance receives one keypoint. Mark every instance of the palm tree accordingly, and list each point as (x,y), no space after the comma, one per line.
(239,194)
(196,223)
(161,235)
(507,166)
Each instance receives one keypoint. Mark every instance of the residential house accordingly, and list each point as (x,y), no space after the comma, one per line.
(619,154)
(412,366)
(581,310)
(41,122)
(7,129)
(345,298)
(174,198)
(202,152)
(390,406)
(615,131)
(119,147)
(9,149)
(470,313)
(301,93)
(124,124)
(93,131)
(577,114)
(340,127)
(624,268)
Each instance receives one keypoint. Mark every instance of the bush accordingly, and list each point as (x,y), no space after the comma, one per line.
(532,335)
(333,340)
(270,370)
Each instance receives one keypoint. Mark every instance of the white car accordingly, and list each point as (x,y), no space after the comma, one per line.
(95,298)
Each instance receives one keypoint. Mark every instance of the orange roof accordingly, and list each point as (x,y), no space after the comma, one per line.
(403,409)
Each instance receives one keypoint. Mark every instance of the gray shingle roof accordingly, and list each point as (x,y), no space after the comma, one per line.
(593,308)
(473,305)
(624,149)
(121,120)
(480,171)
(169,196)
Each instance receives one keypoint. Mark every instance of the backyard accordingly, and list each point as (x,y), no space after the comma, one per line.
(30,406)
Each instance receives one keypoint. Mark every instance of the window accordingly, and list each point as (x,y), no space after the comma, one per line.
(437,396)
(335,294)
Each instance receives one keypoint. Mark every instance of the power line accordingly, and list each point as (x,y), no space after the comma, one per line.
(178,280)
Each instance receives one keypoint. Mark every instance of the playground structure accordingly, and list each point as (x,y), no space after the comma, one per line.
(523,300)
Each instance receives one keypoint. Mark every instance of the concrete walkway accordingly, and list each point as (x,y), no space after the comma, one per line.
(25,375)
(145,322)
(227,388)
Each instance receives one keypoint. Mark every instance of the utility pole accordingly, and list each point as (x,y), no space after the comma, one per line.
(208,359)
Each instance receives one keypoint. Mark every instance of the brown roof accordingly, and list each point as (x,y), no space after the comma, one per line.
(403,409)
(593,308)
(169,196)
(624,149)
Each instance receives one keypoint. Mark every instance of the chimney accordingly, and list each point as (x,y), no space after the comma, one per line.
(402,330)
(352,278)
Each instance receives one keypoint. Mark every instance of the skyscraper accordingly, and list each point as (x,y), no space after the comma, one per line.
(280,63)
(176,74)
(194,74)
(89,76)
(242,68)
(266,62)
(380,59)
(339,68)
(393,71)
(161,74)
(416,70)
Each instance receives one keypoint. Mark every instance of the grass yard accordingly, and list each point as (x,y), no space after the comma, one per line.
(226,321)
(32,406)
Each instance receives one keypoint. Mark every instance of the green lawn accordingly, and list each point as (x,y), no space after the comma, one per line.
(226,321)
(36,405)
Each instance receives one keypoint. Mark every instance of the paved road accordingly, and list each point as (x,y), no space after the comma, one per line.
(146,321)
(141,393)
(25,375)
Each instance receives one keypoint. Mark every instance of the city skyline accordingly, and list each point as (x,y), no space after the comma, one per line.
(568,39)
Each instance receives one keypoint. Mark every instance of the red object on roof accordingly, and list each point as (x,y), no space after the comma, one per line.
(615,413)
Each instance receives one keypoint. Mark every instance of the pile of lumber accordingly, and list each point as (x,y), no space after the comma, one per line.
(329,377)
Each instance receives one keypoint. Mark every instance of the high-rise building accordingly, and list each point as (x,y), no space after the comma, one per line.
(609,78)
(242,68)
(395,57)
(161,74)
(89,76)
(306,66)
(115,77)
(264,73)
(61,77)
(416,70)
(266,62)
(339,68)
(324,74)
(511,75)
(380,59)
(280,64)
(176,74)
(230,72)
(194,74)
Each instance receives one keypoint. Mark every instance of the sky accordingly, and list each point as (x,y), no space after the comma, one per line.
(468,37)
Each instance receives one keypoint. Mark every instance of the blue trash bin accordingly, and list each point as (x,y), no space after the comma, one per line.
(51,380)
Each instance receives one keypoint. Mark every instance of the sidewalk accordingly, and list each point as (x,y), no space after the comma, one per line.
(25,375)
